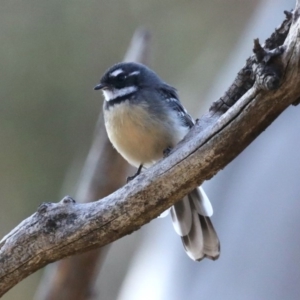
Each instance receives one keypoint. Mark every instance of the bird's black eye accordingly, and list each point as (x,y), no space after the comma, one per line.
(121,77)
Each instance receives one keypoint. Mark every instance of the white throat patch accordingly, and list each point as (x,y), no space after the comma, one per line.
(115,93)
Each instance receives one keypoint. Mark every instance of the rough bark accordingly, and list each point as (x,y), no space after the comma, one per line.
(61,229)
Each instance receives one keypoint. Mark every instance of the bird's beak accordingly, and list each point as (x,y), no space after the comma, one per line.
(99,86)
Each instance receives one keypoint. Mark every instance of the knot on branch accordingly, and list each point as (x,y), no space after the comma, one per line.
(268,66)
(67,200)
(264,67)
(279,35)
(60,220)
(242,83)
(43,208)
(288,14)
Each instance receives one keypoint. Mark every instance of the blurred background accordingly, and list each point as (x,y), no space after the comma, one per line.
(53,53)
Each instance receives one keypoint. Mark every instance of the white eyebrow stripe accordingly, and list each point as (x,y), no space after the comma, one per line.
(116,72)
(134,73)
(110,95)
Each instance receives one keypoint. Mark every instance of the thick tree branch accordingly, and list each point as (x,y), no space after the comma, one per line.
(57,230)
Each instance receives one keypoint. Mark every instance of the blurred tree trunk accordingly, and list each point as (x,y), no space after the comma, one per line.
(104,172)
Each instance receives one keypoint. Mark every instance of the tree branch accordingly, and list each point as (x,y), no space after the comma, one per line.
(57,230)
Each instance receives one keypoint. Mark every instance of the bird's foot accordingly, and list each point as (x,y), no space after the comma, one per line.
(167,151)
(129,178)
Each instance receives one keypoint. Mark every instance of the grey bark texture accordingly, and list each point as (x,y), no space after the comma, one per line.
(66,228)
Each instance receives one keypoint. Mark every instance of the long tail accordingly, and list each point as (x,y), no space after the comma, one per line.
(191,221)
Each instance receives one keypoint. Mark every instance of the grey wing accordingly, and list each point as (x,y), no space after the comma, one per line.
(170,96)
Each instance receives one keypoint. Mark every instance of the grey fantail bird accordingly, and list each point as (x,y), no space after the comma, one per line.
(143,118)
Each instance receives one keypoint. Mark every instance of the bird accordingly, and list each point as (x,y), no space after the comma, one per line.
(144,119)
